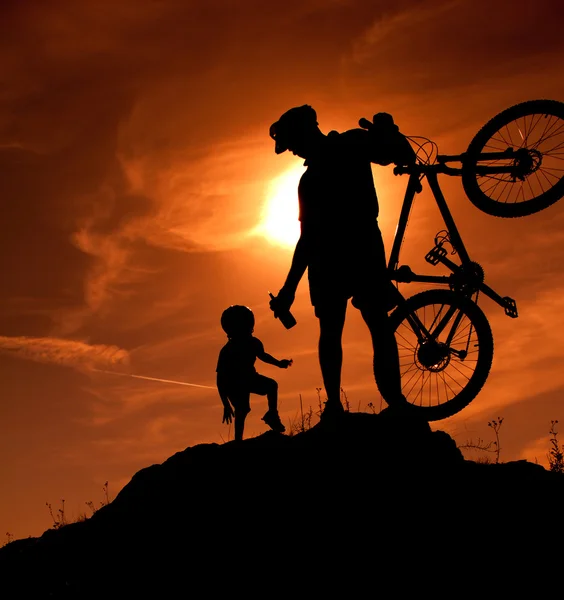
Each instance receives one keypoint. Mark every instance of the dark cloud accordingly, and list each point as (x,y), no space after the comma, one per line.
(436,45)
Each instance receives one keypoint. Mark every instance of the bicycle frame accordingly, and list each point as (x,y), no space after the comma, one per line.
(466,277)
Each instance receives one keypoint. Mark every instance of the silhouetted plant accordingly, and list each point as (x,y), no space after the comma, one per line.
(480,444)
(496,426)
(319,403)
(483,446)
(305,421)
(104,502)
(59,518)
(345,400)
(484,460)
(9,538)
(556,453)
(372,407)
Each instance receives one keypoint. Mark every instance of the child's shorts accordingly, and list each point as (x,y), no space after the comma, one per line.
(239,395)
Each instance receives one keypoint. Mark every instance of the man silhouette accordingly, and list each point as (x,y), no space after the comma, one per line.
(340,242)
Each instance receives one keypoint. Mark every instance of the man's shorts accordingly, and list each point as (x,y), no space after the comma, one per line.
(383,297)
(355,268)
(367,286)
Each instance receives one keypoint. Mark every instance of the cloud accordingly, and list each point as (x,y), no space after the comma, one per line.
(67,353)
(122,147)
(207,204)
(441,63)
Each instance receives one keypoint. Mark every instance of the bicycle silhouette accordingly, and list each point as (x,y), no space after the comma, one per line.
(513,167)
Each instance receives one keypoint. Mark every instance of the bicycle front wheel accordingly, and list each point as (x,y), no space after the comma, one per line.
(536,126)
(445,348)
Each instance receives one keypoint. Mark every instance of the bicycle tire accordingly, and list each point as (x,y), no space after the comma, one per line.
(440,390)
(537,125)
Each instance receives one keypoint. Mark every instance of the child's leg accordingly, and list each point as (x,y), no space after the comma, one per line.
(265,386)
(272,396)
(241,408)
(239,425)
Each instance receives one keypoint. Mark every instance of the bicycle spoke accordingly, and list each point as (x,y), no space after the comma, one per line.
(495,182)
(525,142)
(545,173)
(538,178)
(559,131)
(502,145)
(424,378)
(547,134)
(410,386)
(556,152)
(456,367)
(533,126)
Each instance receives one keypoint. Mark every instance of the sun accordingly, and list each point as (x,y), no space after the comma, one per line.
(279,219)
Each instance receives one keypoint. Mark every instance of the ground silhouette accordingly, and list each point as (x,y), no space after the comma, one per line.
(349,507)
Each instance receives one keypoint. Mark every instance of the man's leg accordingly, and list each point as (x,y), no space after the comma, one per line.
(386,358)
(331,323)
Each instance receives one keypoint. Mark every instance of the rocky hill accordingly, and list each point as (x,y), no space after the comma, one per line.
(341,508)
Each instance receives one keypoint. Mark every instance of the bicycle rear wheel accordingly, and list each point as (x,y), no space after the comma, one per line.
(536,125)
(445,347)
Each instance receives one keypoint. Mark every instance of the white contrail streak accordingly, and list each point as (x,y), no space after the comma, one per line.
(209,387)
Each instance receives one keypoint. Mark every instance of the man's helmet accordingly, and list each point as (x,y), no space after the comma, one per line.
(290,124)
(237,319)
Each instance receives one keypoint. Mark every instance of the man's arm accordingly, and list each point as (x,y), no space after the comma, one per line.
(287,293)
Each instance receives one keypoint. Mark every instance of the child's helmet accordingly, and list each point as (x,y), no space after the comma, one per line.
(237,319)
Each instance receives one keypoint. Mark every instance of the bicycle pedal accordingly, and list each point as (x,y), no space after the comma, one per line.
(435,255)
(510,307)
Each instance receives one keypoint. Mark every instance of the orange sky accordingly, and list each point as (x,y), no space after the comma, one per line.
(135,169)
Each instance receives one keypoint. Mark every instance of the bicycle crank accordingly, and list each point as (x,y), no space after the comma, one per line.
(467,278)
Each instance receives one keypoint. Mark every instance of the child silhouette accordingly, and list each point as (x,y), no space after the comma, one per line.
(237,377)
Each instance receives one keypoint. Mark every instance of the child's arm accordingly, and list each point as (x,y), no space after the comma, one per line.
(227,409)
(269,359)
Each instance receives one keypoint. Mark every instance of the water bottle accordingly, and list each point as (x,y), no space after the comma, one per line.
(286,318)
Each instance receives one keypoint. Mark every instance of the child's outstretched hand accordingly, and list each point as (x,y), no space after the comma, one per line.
(227,414)
(285,363)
